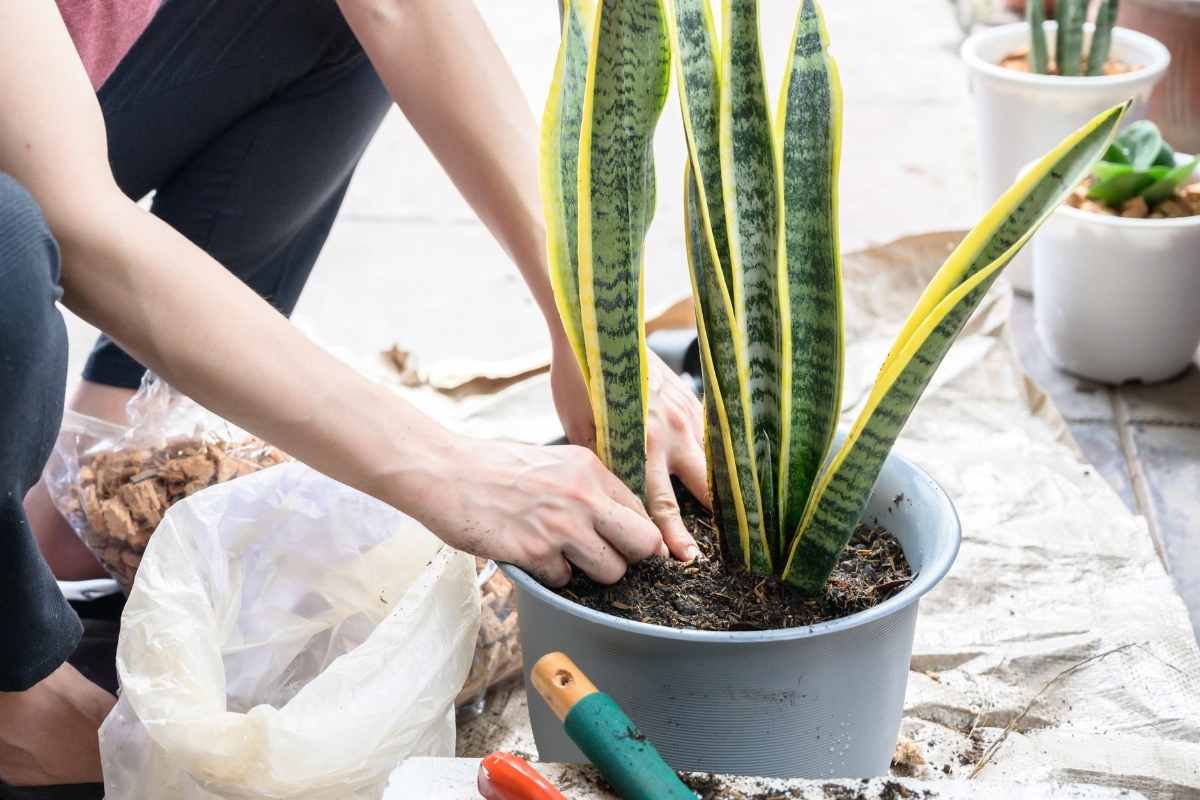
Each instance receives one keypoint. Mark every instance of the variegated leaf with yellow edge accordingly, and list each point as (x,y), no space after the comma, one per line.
(841,495)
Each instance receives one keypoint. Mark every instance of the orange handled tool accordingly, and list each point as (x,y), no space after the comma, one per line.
(504,776)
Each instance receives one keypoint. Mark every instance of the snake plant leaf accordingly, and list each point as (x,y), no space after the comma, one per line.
(718,475)
(809,123)
(628,78)
(764,457)
(1069,44)
(697,67)
(940,314)
(559,172)
(732,440)
(751,190)
(1106,17)
(1165,186)
(1035,13)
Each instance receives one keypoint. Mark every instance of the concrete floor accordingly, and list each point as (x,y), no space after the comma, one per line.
(408,262)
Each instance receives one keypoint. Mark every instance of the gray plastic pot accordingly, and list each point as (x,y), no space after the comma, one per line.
(815,702)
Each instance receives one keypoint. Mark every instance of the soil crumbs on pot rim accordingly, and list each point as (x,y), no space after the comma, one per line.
(707,595)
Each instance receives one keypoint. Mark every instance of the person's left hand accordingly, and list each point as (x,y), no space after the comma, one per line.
(674,440)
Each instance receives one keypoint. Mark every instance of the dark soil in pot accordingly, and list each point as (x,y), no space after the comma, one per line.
(708,594)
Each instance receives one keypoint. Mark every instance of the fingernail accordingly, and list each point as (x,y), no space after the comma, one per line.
(692,552)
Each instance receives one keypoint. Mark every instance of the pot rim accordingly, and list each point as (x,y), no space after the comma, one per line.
(1161,59)
(931,574)
(1142,223)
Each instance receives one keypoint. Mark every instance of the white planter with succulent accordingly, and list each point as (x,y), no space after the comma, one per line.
(1117,268)
(1024,103)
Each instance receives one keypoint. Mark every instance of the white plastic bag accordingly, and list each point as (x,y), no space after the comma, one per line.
(287,637)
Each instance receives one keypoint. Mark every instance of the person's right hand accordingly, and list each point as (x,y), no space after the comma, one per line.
(540,508)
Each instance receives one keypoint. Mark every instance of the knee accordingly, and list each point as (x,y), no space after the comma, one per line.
(28,254)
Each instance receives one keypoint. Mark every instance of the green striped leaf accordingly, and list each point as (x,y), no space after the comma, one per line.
(940,314)
(750,187)
(1039,59)
(1069,44)
(1106,17)
(724,510)
(764,458)
(694,45)
(627,83)
(559,169)
(810,285)
(734,469)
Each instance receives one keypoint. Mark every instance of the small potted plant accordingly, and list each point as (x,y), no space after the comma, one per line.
(781,652)
(1027,97)
(1117,267)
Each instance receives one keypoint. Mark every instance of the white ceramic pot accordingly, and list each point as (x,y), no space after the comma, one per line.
(1118,299)
(1020,116)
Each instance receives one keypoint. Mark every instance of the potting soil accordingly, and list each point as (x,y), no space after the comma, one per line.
(710,594)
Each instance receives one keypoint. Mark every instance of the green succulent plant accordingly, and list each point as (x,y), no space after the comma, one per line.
(761,235)
(1069,41)
(1138,162)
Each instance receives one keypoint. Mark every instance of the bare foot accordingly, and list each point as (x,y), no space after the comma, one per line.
(68,557)
(48,733)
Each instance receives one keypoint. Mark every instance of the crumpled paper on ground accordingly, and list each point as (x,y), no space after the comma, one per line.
(1053,571)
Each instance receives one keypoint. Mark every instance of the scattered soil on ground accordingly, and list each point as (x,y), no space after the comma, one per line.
(713,787)
(1184,202)
(709,595)
(1018,61)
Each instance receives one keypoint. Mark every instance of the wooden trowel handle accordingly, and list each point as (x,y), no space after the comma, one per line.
(609,739)
(560,683)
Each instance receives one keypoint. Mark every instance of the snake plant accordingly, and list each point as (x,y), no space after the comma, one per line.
(761,235)
(597,182)
(1069,39)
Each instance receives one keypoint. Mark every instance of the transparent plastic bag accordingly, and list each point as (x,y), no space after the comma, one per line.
(287,637)
(113,483)
(498,647)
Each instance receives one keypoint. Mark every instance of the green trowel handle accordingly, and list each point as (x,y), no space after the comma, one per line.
(624,757)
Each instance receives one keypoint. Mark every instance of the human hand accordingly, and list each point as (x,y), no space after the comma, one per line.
(674,440)
(541,508)
(48,733)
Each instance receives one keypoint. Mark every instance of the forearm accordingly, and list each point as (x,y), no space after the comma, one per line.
(442,66)
(185,317)
(175,308)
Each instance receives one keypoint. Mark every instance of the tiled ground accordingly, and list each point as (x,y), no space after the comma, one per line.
(408,262)
(1145,440)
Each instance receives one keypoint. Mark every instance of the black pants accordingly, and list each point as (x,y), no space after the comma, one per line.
(247,119)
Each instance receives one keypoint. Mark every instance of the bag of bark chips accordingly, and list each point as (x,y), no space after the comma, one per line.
(287,637)
(113,483)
